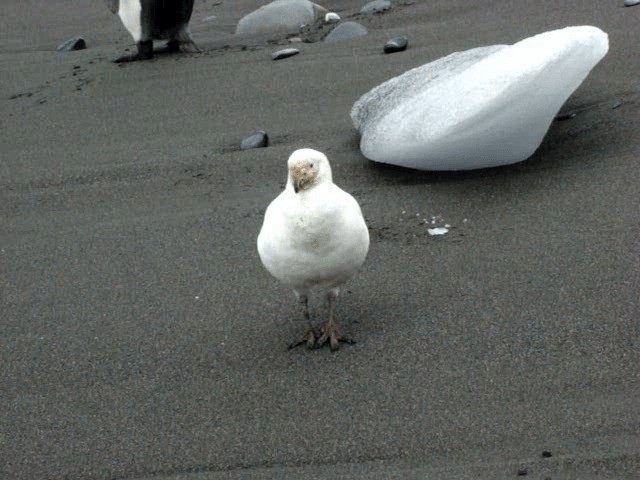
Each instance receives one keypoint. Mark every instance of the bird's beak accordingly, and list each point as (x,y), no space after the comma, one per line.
(296,185)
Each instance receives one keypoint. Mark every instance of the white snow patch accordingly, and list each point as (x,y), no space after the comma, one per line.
(437,230)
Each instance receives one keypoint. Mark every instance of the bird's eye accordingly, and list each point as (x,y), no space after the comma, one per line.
(311,165)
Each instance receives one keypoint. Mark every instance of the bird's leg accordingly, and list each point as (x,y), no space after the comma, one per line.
(145,52)
(331,331)
(309,337)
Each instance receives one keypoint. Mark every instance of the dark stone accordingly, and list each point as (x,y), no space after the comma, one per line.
(566,116)
(77,43)
(546,454)
(631,3)
(257,139)
(377,6)
(396,44)
(286,53)
(522,471)
(345,31)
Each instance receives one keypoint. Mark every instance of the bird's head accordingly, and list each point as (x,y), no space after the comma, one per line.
(308,168)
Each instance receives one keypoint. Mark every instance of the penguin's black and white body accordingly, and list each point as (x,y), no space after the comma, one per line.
(148,20)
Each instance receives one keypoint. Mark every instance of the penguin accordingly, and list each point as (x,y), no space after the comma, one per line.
(147,20)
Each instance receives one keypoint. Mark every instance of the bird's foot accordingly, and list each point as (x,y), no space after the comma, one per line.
(145,52)
(172,46)
(134,57)
(189,47)
(309,339)
(331,333)
(175,46)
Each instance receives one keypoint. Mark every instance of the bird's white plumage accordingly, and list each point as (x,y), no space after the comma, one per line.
(316,237)
(129,12)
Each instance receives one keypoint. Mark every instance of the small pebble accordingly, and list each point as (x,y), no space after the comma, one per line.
(295,40)
(522,471)
(257,139)
(72,44)
(377,6)
(286,53)
(210,18)
(546,454)
(631,3)
(396,44)
(616,104)
(331,18)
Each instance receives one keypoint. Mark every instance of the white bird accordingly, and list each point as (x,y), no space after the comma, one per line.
(313,237)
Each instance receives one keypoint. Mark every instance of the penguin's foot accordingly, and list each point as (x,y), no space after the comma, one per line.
(134,57)
(189,47)
(174,46)
(145,52)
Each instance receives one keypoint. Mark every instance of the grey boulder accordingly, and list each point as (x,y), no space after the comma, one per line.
(280,16)
(346,31)
(377,6)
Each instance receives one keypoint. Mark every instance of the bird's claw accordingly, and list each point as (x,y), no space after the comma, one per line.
(309,338)
(331,333)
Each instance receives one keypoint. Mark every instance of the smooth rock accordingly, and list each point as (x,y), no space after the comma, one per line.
(346,31)
(210,18)
(72,44)
(631,3)
(377,6)
(479,108)
(396,44)
(280,16)
(285,53)
(331,18)
(257,139)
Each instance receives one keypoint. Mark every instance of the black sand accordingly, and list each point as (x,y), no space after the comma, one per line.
(140,336)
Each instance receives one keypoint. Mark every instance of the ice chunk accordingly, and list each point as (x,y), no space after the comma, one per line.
(280,16)
(479,108)
(437,230)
